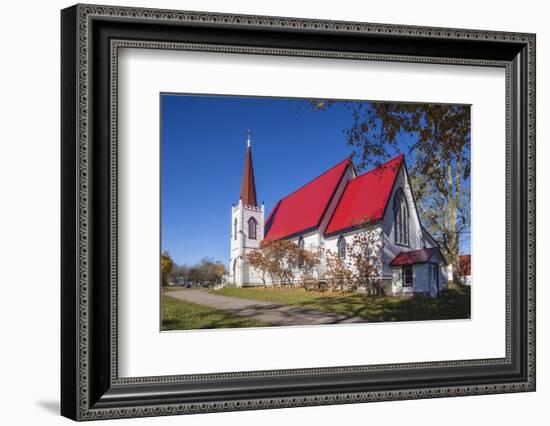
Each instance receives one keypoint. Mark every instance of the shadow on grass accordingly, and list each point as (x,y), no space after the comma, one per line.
(451,304)
(179,315)
(192,316)
(296,307)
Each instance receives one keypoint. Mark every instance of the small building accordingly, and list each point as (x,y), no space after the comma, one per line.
(418,271)
(465,273)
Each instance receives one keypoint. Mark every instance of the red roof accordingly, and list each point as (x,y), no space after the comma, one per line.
(465,264)
(304,208)
(414,256)
(365,197)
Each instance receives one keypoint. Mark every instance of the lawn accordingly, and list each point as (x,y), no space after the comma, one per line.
(180,315)
(453,303)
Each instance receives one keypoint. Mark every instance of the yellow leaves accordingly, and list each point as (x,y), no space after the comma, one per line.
(166,265)
(219,269)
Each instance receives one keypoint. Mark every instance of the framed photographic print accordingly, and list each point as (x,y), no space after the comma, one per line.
(263,212)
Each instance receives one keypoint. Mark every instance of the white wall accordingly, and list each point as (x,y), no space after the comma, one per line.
(29,225)
(312,240)
(416,240)
(466,279)
(240,246)
(331,243)
(421,280)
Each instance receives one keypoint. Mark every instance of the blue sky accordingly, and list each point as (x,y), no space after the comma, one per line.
(203,148)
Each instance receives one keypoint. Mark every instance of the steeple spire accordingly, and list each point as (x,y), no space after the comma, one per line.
(248,186)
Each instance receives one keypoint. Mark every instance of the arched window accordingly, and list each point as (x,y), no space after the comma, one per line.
(341,247)
(401,218)
(235,229)
(301,245)
(252,225)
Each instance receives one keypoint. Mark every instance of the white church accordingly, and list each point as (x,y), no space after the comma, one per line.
(329,210)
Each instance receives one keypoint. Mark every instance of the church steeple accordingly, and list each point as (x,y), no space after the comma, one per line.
(248,186)
(247,226)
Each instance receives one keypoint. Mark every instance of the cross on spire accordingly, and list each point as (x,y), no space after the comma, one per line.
(249,137)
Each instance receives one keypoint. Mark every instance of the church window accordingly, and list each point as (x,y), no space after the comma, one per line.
(342,247)
(235,229)
(407,276)
(300,256)
(401,219)
(252,226)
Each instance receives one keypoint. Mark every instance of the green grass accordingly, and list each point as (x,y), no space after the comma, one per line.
(180,315)
(453,303)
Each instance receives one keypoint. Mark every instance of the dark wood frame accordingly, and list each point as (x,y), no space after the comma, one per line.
(90,386)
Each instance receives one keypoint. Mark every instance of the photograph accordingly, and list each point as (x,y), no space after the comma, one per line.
(264,209)
(303,212)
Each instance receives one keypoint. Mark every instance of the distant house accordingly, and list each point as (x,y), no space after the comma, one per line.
(176,281)
(465,272)
(329,210)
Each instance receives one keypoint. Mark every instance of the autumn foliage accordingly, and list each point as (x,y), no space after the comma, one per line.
(166,265)
(284,263)
(281,262)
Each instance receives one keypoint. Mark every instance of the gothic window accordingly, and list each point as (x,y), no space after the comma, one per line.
(401,219)
(341,247)
(235,229)
(252,225)
(301,258)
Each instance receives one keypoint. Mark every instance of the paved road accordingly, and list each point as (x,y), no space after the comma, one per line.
(268,312)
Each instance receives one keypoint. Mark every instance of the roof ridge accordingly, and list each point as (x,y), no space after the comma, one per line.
(335,222)
(379,166)
(314,179)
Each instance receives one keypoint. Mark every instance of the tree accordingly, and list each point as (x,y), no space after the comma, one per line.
(271,262)
(365,258)
(280,260)
(440,153)
(258,261)
(338,273)
(210,272)
(166,265)
(206,272)
(292,256)
(195,275)
(307,262)
(219,271)
(179,272)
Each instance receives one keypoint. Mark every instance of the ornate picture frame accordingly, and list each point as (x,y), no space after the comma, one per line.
(91,37)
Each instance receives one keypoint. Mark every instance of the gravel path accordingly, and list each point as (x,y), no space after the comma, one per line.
(268,312)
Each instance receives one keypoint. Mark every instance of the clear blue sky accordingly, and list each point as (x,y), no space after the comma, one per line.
(203,149)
